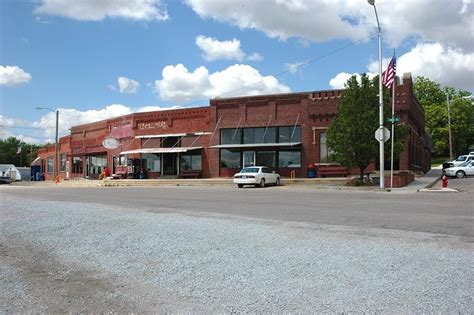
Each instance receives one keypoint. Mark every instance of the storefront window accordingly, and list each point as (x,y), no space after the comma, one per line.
(191,162)
(97,164)
(152,162)
(50,164)
(77,165)
(266,158)
(63,162)
(289,159)
(230,158)
(289,134)
(231,136)
(326,154)
(259,135)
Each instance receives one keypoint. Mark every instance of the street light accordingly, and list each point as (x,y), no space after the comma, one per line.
(381,127)
(449,122)
(55,167)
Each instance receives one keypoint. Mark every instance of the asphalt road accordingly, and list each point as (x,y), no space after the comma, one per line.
(230,250)
(441,213)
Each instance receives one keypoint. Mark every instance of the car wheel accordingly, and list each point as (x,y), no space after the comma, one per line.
(460,174)
(240,185)
(262,183)
(278,183)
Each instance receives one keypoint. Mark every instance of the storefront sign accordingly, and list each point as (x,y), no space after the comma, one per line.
(153,125)
(110,143)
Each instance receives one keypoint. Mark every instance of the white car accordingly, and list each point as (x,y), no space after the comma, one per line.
(460,171)
(460,160)
(257,176)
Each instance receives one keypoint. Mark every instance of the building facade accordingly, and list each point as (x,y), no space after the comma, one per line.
(285,132)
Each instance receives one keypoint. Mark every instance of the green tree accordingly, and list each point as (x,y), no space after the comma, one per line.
(351,134)
(433,98)
(9,148)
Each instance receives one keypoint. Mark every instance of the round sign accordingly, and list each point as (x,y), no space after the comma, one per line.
(110,143)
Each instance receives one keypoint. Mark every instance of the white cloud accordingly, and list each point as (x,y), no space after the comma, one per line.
(214,49)
(339,81)
(293,67)
(127,85)
(445,65)
(178,85)
(347,19)
(315,20)
(255,57)
(13,75)
(93,10)
(45,128)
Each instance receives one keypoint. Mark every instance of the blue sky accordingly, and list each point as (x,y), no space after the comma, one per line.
(98,59)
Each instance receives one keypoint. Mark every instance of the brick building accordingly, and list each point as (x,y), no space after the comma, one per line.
(284,131)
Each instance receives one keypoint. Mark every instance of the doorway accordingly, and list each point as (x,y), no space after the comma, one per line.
(248,158)
(169,164)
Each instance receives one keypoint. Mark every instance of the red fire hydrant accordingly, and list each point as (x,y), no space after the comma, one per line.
(445,181)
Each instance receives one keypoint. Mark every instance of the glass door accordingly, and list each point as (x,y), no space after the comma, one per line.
(249,158)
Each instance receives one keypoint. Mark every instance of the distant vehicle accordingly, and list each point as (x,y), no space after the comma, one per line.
(259,176)
(460,171)
(460,160)
(5,180)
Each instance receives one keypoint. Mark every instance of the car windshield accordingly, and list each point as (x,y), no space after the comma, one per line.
(461,158)
(465,164)
(250,170)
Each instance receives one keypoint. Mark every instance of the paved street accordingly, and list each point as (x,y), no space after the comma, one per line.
(223,249)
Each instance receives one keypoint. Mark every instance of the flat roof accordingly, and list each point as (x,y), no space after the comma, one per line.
(253,145)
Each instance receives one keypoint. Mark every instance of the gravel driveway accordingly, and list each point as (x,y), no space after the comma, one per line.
(73,257)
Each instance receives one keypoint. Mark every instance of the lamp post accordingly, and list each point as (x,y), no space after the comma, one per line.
(55,166)
(381,128)
(449,122)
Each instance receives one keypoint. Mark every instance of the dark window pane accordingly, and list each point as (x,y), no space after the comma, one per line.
(289,159)
(230,158)
(231,136)
(289,134)
(266,158)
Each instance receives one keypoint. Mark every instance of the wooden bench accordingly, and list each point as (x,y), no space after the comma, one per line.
(190,174)
(324,171)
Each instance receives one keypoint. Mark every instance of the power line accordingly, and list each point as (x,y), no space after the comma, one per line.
(305,63)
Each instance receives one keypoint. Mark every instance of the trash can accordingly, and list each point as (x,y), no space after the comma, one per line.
(37,176)
(311,170)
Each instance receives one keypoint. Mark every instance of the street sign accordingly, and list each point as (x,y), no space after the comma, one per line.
(382,134)
(393,120)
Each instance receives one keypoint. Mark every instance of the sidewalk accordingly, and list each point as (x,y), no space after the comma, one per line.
(420,183)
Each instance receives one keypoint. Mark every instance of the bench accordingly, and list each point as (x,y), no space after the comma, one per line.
(324,171)
(189,174)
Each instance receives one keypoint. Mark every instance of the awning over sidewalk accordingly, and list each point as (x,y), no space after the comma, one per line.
(255,145)
(201,133)
(161,150)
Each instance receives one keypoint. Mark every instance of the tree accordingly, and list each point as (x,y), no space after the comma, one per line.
(9,152)
(433,98)
(351,134)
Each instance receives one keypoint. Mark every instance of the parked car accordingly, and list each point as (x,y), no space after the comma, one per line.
(460,160)
(257,176)
(5,180)
(460,171)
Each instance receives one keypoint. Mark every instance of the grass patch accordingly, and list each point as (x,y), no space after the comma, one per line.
(438,160)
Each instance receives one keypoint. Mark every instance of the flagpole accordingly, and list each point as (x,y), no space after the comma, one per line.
(393,129)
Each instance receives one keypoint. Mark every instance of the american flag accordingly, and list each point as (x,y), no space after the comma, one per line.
(389,75)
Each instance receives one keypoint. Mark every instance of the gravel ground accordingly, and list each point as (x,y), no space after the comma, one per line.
(72,257)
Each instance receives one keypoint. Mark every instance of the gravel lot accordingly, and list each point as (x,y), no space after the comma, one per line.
(74,257)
